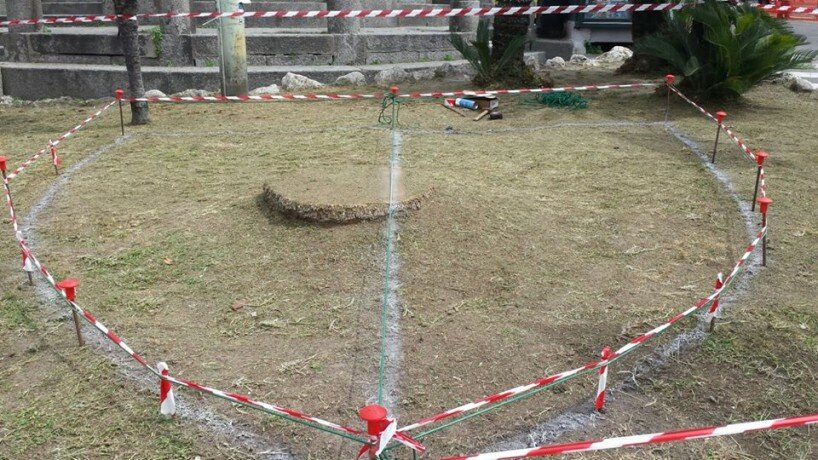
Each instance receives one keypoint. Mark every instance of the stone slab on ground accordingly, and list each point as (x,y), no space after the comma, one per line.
(342,194)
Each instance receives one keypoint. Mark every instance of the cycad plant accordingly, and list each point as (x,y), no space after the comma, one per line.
(478,53)
(722,51)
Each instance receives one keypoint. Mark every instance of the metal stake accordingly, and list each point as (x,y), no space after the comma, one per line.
(121,118)
(755,189)
(716,145)
(78,327)
(764,241)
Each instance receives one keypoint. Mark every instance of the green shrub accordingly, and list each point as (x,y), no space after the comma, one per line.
(478,53)
(722,51)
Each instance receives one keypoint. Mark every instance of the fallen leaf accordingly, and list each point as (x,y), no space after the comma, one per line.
(168,261)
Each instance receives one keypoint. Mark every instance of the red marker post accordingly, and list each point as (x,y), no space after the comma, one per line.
(3,167)
(167,402)
(375,417)
(120,94)
(55,160)
(760,157)
(28,267)
(714,307)
(720,116)
(69,288)
(669,79)
(763,204)
(599,402)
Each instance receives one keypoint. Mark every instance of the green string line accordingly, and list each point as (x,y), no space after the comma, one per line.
(388,262)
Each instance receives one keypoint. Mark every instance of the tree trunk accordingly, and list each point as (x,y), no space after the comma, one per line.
(644,24)
(506,29)
(129,38)
(647,23)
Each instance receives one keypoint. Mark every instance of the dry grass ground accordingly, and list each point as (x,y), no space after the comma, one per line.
(539,245)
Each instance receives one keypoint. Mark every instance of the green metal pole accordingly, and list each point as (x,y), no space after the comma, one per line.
(232,51)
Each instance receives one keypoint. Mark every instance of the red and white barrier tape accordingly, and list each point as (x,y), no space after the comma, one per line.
(599,401)
(54,144)
(354,96)
(733,137)
(30,260)
(113,337)
(744,148)
(645,439)
(627,348)
(714,307)
(400,13)
(367,13)
(167,402)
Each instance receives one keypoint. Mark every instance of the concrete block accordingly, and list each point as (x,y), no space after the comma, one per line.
(394,42)
(207,46)
(554,48)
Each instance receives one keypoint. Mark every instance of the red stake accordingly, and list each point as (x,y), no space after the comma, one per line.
(55,160)
(763,204)
(669,79)
(720,116)
(375,417)
(120,94)
(760,157)
(599,403)
(714,307)
(28,267)
(69,287)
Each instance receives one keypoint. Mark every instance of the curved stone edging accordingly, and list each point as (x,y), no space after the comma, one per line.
(338,213)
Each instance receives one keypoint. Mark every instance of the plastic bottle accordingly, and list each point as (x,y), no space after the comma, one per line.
(466,103)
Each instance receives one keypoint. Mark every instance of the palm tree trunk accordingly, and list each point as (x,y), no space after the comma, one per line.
(644,24)
(129,38)
(506,29)
(648,22)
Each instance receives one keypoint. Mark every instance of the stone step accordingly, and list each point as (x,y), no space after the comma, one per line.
(100,45)
(313,47)
(79,42)
(72,8)
(43,81)
(49,80)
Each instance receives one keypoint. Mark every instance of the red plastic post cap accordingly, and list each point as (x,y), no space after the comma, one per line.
(3,164)
(763,203)
(375,418)
(69,285)
(720,116)
(606,353)
(670,78)
(761,156)
(394,90)
(119,94)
